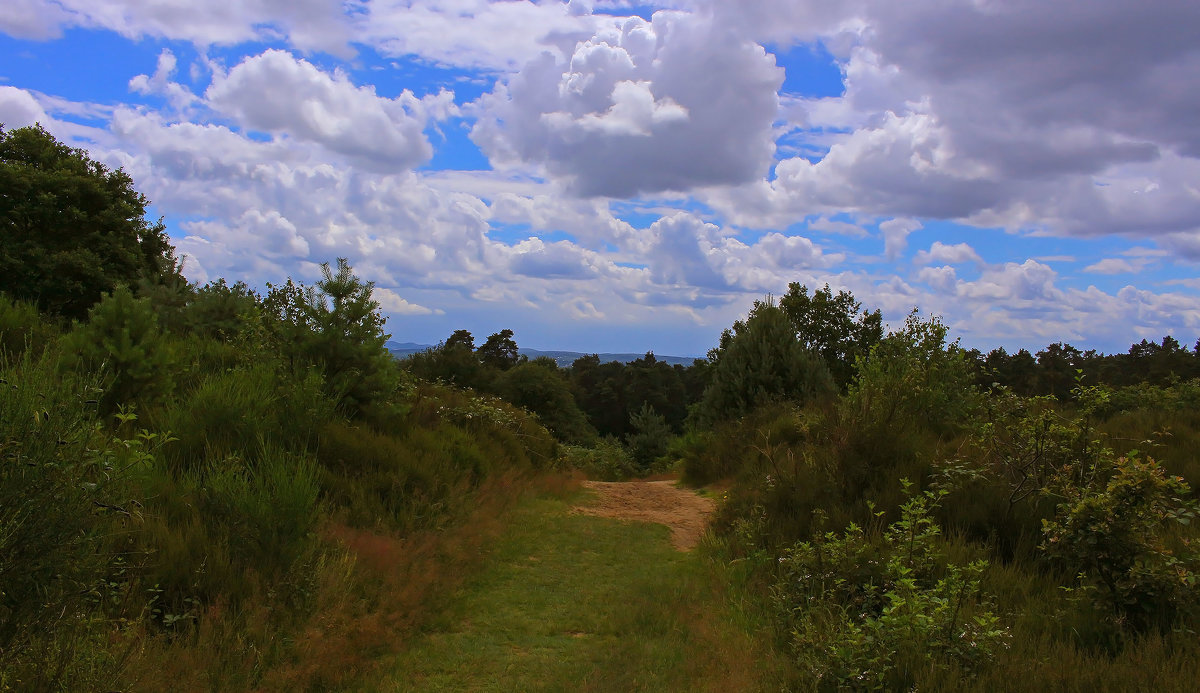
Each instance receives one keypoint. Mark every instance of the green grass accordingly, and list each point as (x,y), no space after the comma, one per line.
(569,602)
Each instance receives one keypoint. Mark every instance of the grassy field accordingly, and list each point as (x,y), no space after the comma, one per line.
(567,602)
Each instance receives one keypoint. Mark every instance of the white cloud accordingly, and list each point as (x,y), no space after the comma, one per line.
(669,104)
(895,235)
(392,302)
(840,227)
(311,25)
(941,278)
(19,108)
(179,96)
(478,34)
(1115,266)
(949,254)
(1020,114)
(278,93)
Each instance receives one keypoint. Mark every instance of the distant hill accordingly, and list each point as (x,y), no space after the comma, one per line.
(562,358)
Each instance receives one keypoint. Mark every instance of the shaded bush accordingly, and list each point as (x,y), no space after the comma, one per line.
(21,328)
(62,482)
(606,460)
(121,338)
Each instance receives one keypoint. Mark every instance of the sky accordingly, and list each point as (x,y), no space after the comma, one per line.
(600,175)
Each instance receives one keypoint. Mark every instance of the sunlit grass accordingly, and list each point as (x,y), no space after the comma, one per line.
(568,602)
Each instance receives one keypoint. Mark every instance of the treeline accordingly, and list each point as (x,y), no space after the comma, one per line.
(1055,369)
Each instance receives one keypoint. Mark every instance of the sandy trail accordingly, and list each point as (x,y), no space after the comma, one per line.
(685,512)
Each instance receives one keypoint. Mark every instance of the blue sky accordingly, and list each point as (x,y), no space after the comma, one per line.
(603,176)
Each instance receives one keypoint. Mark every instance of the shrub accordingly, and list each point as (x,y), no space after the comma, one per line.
(761,362)
(62,480)
(606,460)
(649,439)
(871,609)
(121,337)
(337,327)
(546,392)
(21,328)
(1116,537)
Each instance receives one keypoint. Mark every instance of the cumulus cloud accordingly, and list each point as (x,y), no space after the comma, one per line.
(19,108)
(941,278)
(1058,117)
(392,302)
(641,106)
(840,227)
(276,92)
(35,19)
(895,235)
(179,96)
(955,254)
(479,34)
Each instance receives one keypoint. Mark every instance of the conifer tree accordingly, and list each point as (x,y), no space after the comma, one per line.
(761,361)
(122,338)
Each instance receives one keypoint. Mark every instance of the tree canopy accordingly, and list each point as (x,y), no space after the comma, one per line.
(71,229)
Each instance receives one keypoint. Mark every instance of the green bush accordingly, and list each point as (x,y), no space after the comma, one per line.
(606,460)
(546,392)
(62,482)
(121,338)
(650,437)
(268,508)
(21,328)
(1116,537)
(760,362)
(873,610)
(335,326)
(229,414)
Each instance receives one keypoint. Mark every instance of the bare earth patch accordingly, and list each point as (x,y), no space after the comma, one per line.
(685,512)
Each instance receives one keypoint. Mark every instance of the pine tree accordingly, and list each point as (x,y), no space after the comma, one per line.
(759,362)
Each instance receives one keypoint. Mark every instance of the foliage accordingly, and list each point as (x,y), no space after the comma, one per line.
(606,460)
(71,229)
(832,327)
(543,390)
(610,393)
(63,483)
(453,362)
(499,351)
(649,439)
(1118,538)
(761,362)
(912,375)
(337,327)
(222,311)
(21,328)
(122,339)
(869,609)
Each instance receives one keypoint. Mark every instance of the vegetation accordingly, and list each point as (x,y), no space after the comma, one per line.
(568,602)
(72,229)
(205,487)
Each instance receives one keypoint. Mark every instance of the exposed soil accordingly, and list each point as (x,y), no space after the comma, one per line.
(685,512)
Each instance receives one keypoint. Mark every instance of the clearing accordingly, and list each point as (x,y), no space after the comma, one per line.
(575,596)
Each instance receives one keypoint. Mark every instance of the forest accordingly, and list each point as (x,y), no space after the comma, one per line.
(210,487)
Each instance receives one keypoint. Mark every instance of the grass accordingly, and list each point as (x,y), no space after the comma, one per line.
(567,602)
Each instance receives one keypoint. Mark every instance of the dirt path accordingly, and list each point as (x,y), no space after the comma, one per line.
(685,512)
